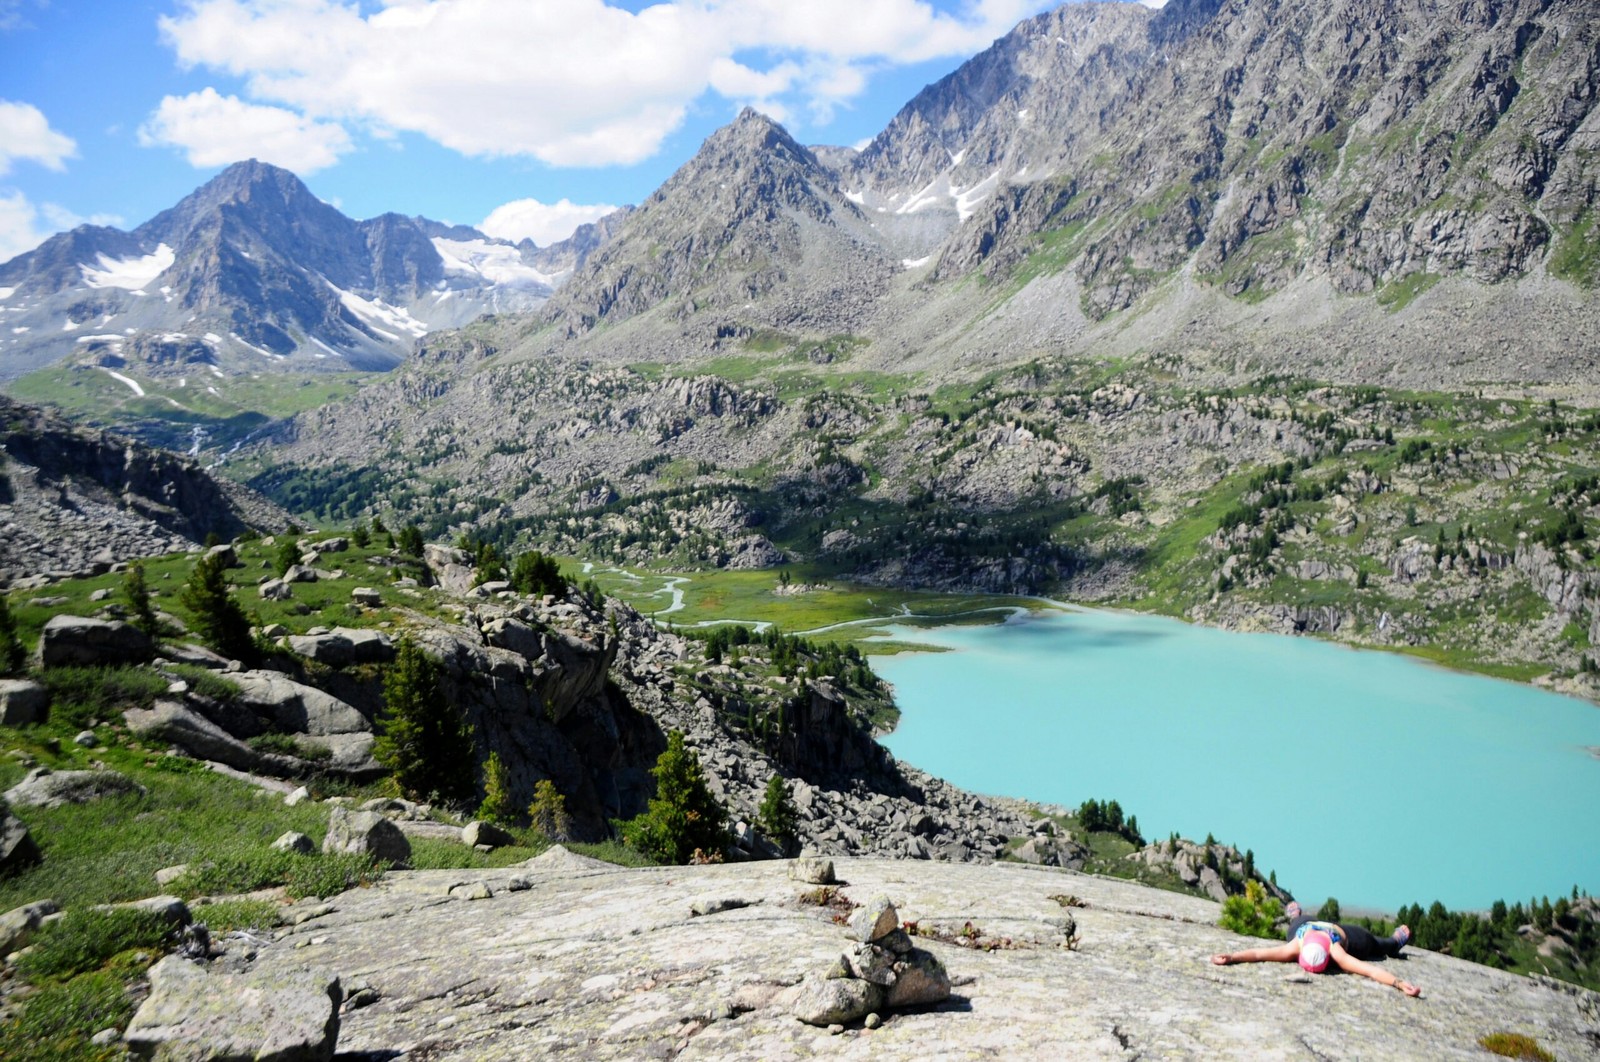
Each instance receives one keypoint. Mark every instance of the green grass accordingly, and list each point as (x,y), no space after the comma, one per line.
(108,851)
(1397,295)
(85,939)
(167,413)
(749,597)
(56,1023)
(1577,256)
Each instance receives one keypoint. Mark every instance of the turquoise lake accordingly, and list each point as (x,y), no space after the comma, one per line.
(1366,776)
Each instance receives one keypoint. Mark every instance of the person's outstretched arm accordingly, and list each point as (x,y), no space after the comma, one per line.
(1350,964)
(1282,953)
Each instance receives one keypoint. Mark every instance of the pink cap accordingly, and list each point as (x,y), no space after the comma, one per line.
(1314,947)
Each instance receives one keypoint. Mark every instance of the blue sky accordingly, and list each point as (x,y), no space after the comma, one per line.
(460,110)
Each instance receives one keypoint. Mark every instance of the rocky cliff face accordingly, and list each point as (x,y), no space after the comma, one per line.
(76,498)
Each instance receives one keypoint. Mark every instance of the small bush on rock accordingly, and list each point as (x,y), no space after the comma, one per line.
(1253,914)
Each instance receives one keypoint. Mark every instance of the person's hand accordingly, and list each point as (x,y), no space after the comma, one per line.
(1407,987)
(1219,960)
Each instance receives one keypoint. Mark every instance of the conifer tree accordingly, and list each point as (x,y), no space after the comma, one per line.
(13,657)
(287,556)
(426,744)
(137,591)
(683,818)
(218,619)
(549,811)
(777,816)
(497,805)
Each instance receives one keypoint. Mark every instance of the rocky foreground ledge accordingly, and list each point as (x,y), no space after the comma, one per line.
(564,957)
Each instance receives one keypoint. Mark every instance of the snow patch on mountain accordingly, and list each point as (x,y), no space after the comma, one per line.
(130,274)
(379,315)
(498,263)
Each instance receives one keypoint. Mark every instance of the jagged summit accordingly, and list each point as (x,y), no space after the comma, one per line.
(753,215)
(253,272)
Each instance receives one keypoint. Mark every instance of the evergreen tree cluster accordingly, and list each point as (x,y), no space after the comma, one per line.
(1097,817)
(536,574)
(795,657)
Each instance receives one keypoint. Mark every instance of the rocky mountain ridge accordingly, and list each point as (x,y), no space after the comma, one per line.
(75,499)
(252,272)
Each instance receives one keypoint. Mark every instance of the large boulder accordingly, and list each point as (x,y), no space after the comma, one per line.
(44,788)
(22,702)
(366,832)
(920,980)
(173,722)
(835,1000)
(451,568)
(18,925)
(476,833)
(503,632)
(297,708)
(288,1016)
(17,847)
(68,640)
(344,646)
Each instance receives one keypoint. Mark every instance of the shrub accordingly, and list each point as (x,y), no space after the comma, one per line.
(1515,1045)
(218,619)
(80,695)
(536,574)
(286,556)
(331,874)
(683,818)
(425,743)
(410,540)
(137,592)
(84,939)
(206,683)
(13,657)
(1251,915)
(225,916)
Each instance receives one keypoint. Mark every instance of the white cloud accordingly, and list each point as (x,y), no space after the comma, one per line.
(571,83)
(25,134)
(543,223)
(24,226)
(215,130)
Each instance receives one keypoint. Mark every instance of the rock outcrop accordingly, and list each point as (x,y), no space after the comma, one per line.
(77,500)
(568,956)
(288,1016)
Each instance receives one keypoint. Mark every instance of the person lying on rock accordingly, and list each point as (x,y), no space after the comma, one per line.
(1313,943)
